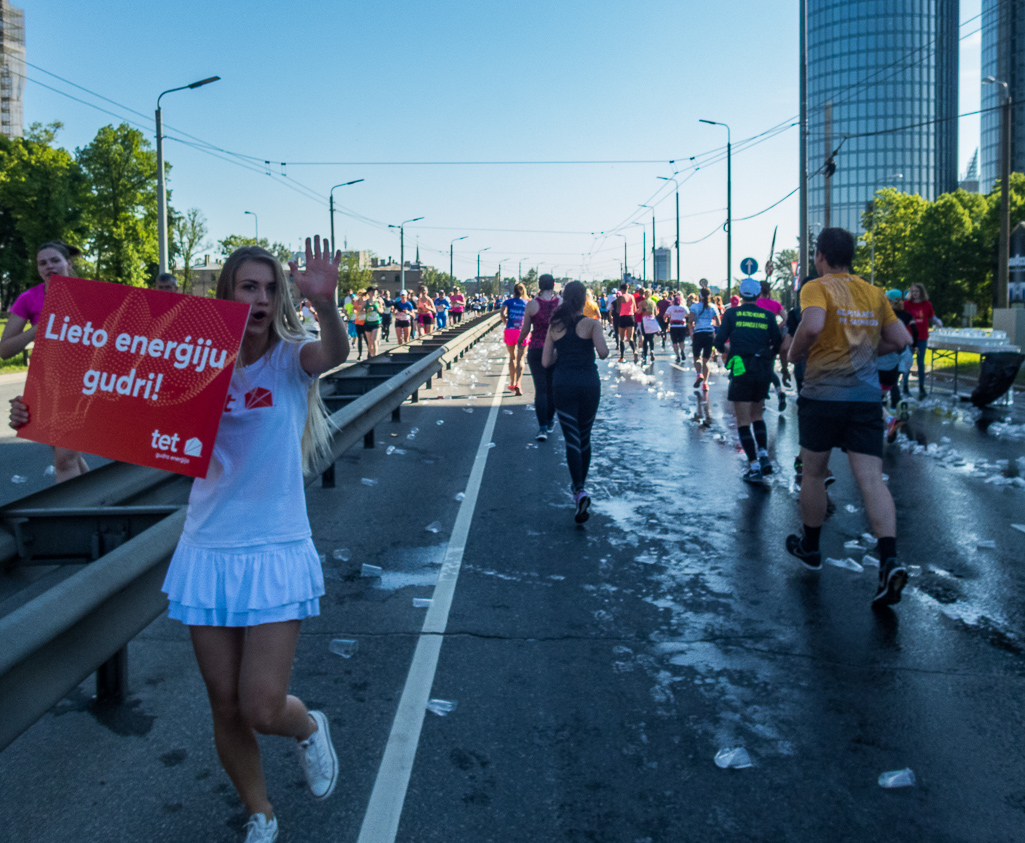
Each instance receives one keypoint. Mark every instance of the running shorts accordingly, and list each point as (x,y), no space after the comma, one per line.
(855,426)
(677,334)
(511,336)
(426,318)
(702,344)
(748,388)
(626,321)
(360,328)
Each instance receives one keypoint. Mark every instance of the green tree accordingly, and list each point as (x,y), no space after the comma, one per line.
(890,222)
(234,241)
(352,277)
(188,233)
(42,190)
(122,205)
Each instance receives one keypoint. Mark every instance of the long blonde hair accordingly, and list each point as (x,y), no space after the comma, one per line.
(285,327)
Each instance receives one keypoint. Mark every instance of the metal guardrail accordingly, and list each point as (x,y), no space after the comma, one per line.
(83,623)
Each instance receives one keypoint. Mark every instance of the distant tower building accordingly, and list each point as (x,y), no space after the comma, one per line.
(12,69)
(970,182)
(1003,58)
(875,65)
(662,264)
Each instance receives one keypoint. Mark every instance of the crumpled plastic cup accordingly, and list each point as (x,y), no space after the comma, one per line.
(847,564)
(422,602)
(342,554)
(366,481)
(433,527)
(735,758)
(442,707)
(987,544)
(370,570)
(344,647)
(17,478)
(897,778)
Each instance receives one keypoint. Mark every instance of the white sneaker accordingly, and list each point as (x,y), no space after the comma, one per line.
(319,760)
(261,830)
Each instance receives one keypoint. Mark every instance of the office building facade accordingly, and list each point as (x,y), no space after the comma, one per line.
(1003,58)
(882,86)
(663,264)
(12,69)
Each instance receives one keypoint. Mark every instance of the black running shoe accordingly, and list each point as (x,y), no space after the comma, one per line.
(753,476)
(811,559)
(583,505)
(892,578)
(697,382)
(782,401)
(830,478)
(765,464)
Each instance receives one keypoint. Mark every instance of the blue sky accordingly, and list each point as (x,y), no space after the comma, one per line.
(353,83)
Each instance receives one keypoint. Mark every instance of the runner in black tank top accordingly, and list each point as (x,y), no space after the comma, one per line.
(575,383)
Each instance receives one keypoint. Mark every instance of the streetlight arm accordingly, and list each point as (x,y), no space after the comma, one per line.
(198,84)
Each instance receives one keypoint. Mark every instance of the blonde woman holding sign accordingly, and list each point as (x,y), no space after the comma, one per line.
(53,258)
(245,572)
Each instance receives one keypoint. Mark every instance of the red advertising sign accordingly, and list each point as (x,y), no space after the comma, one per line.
(132,374)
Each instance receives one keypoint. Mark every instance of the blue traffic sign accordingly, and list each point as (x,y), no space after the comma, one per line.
(749,266)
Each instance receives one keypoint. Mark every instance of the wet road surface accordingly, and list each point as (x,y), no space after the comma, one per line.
(597,670)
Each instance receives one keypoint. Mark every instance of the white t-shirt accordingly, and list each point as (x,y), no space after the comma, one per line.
(703,316)
(677,315)
(253,493)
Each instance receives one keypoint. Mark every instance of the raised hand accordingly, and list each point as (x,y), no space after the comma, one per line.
(319,280)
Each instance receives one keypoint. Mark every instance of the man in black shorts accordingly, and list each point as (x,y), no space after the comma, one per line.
(845,324)
(754,338)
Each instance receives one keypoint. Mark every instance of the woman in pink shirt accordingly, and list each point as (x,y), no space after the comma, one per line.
(53,258)
(920,308)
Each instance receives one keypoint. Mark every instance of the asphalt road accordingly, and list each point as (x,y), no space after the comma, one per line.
(597,670)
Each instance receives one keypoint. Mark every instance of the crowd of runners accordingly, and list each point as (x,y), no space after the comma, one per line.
(848,347)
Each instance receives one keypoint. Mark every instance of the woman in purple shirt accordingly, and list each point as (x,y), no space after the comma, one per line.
(53,258)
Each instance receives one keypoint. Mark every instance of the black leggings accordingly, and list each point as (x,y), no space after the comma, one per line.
(544,400)
(577,393)
(649,343)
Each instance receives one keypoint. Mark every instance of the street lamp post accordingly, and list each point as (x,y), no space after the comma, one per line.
(677,244)
(872,260)
(161,189)
(1003,247)
(452,277)
(331,206)
(478,267)
(402,249)
(256,220)
(729,206)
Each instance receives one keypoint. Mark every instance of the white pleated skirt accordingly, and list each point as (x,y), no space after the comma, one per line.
(244,586)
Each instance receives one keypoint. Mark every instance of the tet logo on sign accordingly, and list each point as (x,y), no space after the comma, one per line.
(169,442)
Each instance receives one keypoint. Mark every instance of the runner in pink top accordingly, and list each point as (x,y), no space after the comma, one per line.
(53,258)
(458,303)
(536,316)
(776,309)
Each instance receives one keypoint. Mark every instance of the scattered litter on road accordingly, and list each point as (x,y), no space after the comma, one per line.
(50,471)
(1019,527)
(467,409)
(342,554)
(490,445)
(986,544)
(370,570)
(735,758)
(323,558)
(460,496)
(869,561)
(847,564)
(507,412)
(440,421)
(869,539)
(433,527)
(897,778)
(532,445)
(853,544)
(17,478)
(914,570)
(366,481)
(344,647)
(442,707)
(390,449)
(851,508)
(422,602)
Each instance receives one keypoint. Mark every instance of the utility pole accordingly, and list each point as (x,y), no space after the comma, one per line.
(802,163)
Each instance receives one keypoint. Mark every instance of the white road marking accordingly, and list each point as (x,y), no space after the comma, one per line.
(381,821)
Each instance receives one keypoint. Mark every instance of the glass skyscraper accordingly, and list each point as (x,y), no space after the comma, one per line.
(12,69)
(1003,57)
(875,66)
